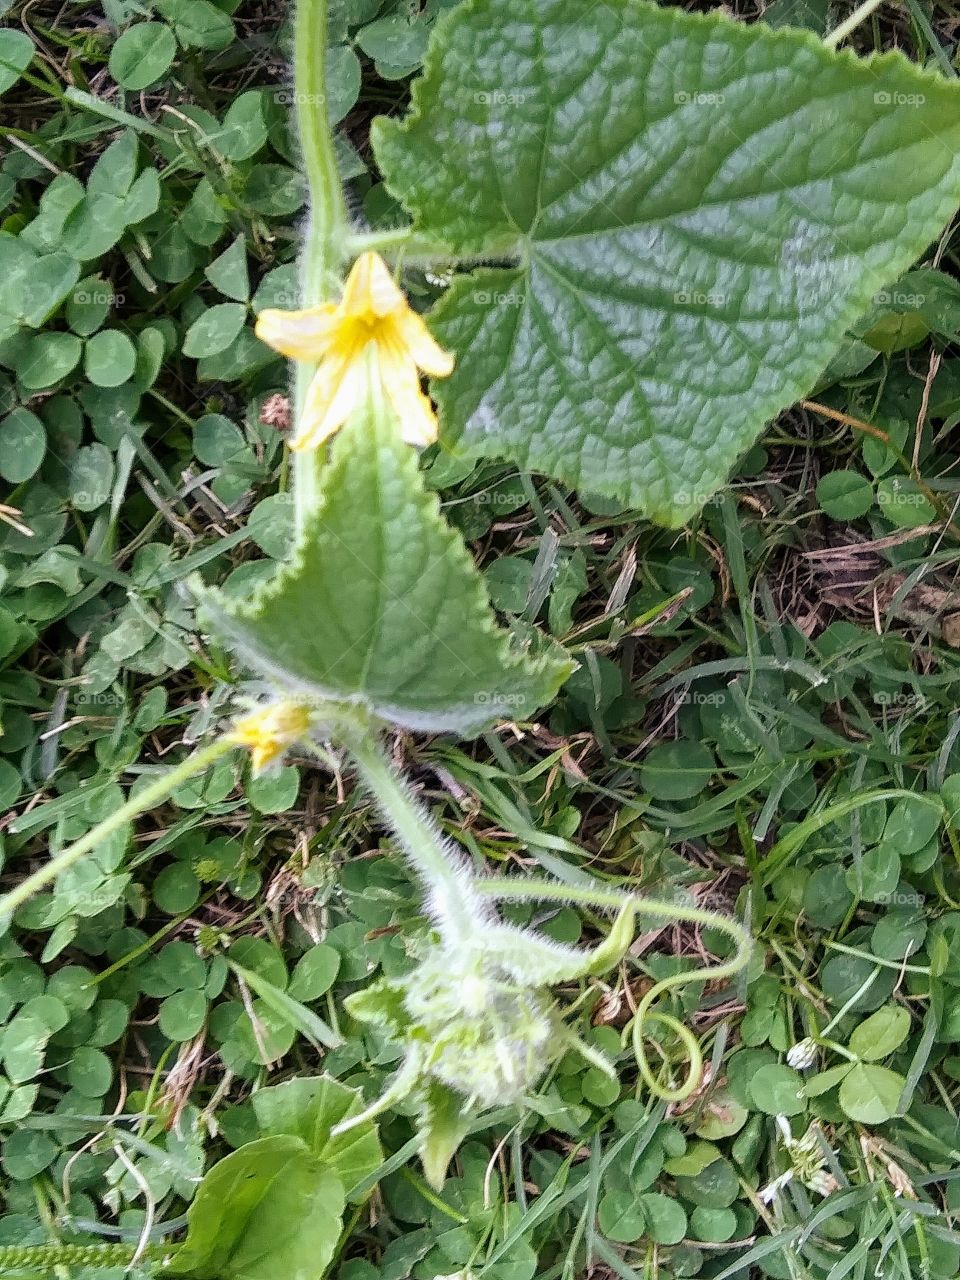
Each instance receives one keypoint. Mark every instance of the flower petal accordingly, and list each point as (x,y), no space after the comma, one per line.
(370,289)
(401,382)
(336,390)
(301,335)
(264,754)
(419,342)
(268,731)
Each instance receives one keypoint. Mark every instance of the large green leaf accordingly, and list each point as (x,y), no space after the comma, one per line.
(697,209)
(270,1211)
(381,603)
(308,1108)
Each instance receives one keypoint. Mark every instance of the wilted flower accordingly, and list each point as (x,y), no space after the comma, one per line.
(808,1163)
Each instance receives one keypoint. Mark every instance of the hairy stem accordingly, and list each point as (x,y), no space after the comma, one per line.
(418,249)
(140,803)
(385,240)
(324,244)
(451,884)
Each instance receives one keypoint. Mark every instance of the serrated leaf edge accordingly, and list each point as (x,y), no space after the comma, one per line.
(548,667)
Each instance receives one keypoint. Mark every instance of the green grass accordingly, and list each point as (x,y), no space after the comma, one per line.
(765,716)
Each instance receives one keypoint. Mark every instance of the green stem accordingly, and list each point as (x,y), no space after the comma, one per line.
(836,1048)
(504,889)
(416,249)
(328,211)
(324,246)
(419,250)
(452,888)
(860,14)
(139,803)
(387,240)
(44,1257)
(845,1009)
(87,102)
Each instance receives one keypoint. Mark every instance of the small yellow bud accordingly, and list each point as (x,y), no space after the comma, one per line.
(268,732)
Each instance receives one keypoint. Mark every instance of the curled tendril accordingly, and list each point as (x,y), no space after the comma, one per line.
(476,1018)
(691,1044)
(645,1014)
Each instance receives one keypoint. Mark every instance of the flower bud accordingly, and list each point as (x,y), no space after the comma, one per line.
(490,1036)
(803,1055)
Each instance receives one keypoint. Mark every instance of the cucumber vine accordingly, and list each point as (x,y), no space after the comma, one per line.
(378,617)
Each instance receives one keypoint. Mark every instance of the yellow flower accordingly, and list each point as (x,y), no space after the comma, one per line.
(370,334)
(269,731)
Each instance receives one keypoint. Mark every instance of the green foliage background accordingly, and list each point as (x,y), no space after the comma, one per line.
(792,648)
